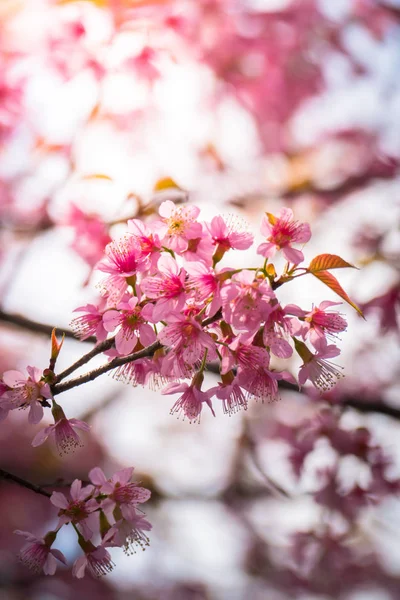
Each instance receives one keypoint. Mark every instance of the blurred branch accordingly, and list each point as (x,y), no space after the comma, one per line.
(36,326)
(22,482)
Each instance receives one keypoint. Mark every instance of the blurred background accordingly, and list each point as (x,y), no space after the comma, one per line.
(107,107)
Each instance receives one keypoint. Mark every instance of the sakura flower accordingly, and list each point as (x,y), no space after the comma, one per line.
(121,492)
(27,392)
(90,323)
(130,533)
(122,261)
(231,394)
(147,240)
(91,235)
(167,288)
(77,510)
(178,225)
(246,302)
(63,432)
(281,232)
(316,368)
(204,284)
(277,326)
(96,559)
(131,319)
(37,554)
(318,323)
(226,235)
(191,401)
(186,340)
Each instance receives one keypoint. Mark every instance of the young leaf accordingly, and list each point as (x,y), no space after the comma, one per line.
(323,262)
(331,281)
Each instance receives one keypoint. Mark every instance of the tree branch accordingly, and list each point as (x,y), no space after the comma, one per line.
(36,327)
(106,345)
(58,388)
(23,483)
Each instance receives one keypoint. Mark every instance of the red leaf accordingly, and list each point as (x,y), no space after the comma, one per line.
(322,262)
(331,281)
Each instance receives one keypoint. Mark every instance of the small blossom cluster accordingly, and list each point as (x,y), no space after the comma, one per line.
(164,286)
(104,514)
(167,309)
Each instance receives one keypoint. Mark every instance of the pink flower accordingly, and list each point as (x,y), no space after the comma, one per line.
(130,533)
(167,288)
(131,320)
(77,510)
(63,432)
(225,235)
(246,302)
(281,232)
(120,490)
(191,401)
(37,554)
(123,260)
(186,340)
(231,394)
(148,241)
(318,323)
(27,391)
(97,560)
(91,234)
(316,368)
(204,284)
(178,225)
(90,323)
(278,325)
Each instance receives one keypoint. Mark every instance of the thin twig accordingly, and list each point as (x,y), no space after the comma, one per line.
(106,345)
(22,482)
(58,388)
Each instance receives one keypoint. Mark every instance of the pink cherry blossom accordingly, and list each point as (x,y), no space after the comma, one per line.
(278,327)
(204,284)
(322,373)
(120,490)
(91,234)
(318,323)
(66,438)
(226,234)
(78,509)
(246,302)
(98,561)
(186,340)
(90,323)
(27,392)
(130,318)
(178,225)
(122,260)
(130,533)
(191,401)
(232,395)
(38,555)
(167,288)
(147,240)
(281,232)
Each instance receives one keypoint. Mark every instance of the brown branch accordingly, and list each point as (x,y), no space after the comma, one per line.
(106,345)
(22,482)
(58,388)
(35,326)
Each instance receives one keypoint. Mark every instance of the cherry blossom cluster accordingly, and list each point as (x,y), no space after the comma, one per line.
(168,309)
(104,514)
